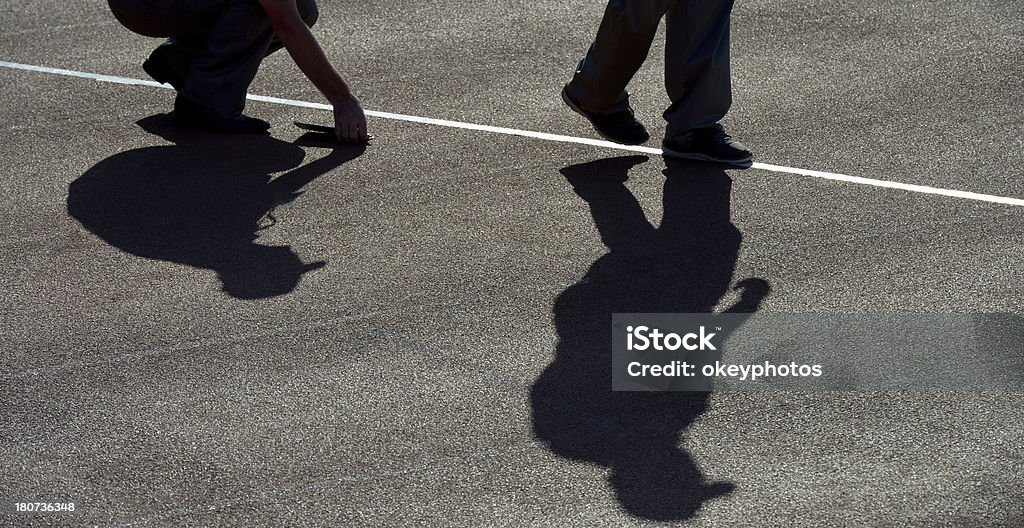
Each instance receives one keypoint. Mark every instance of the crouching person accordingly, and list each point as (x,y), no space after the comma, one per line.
(215,47)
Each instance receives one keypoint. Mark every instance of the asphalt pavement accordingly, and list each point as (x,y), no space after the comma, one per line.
(200,330)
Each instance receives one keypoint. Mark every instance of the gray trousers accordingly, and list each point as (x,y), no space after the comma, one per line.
(215,46)
(696,59)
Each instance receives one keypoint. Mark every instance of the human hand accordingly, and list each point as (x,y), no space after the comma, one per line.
(754,290)
(350,120)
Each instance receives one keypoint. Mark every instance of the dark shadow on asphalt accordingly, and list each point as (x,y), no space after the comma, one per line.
(684,266)
(203,202)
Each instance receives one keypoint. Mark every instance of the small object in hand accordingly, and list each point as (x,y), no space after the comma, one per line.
(323,129)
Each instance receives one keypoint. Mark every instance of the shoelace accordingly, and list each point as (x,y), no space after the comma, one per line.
(719,132)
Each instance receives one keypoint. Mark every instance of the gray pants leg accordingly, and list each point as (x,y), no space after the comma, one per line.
(697,74)
(621,46)
(696,59)
(216,45)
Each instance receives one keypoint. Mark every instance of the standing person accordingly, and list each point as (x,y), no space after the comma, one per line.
(696,76)
(215,48)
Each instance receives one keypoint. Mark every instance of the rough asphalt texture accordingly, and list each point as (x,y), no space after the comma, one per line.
(199,330)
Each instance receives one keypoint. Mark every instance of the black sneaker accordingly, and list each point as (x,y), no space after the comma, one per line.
(620,127)
(157,67)
(189,114)
(708,144)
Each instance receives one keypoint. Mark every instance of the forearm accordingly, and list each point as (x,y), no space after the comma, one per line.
(310,58)
(305,50)
(349,117)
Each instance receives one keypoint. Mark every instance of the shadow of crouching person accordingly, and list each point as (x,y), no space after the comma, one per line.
(202,202)
(683,266)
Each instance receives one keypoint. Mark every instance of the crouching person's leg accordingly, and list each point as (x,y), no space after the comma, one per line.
(213,95)
(185,22)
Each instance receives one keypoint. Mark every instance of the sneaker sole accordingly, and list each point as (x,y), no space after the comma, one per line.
(746,162)
(575,108)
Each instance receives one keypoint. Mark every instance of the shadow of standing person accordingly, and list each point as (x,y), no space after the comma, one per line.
(202,202)
(683,266)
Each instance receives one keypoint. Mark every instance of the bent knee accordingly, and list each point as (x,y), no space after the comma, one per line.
(138,20)
(308,11)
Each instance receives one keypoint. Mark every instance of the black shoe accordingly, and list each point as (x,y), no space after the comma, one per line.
(187,113)
(620,127)
(708,144)
(161,71)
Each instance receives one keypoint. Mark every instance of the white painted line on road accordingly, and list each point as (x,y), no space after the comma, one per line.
(923,189)
(466,126)
(83,75)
